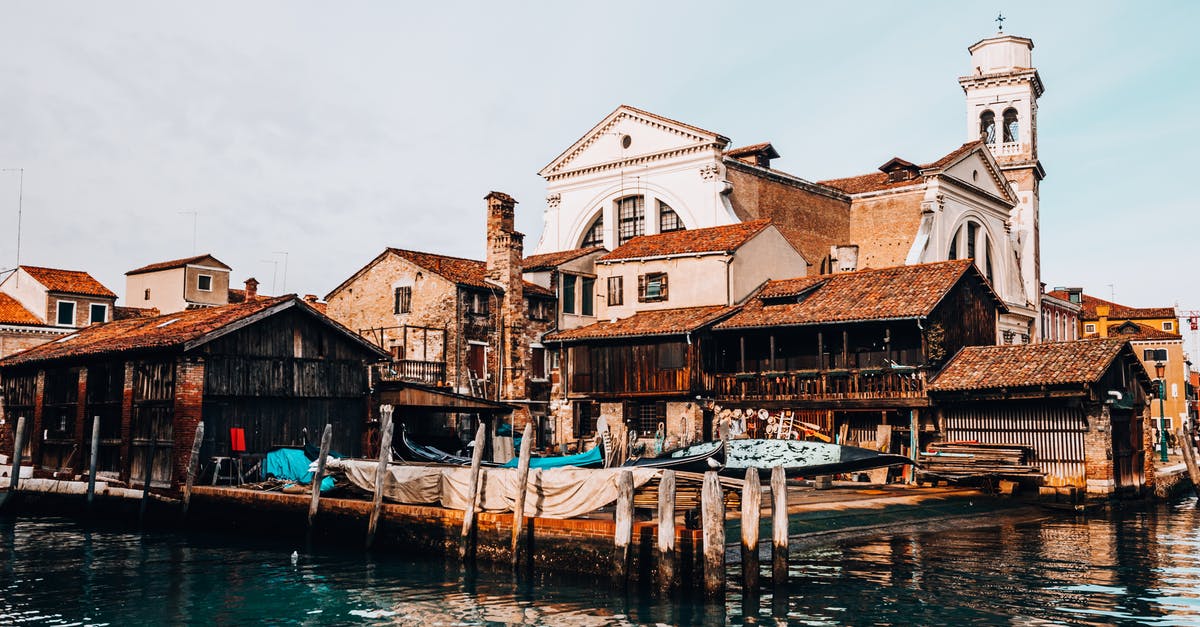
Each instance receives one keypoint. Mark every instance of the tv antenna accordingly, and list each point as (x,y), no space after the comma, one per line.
(20,202)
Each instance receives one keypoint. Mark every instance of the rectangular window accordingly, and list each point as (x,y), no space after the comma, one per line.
(538,309)
(537,363)
(66,313)
(616,291)
(147,295)
(97,313)
(568,293)
(1154,354)
(204,282)
(1089,328)
(403,300)
(652,287)
(648,417)
(1168,326)
(587,296)
(477,303)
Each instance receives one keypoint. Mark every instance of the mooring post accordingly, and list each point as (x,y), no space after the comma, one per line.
(666,530)
(779,527)
(751,510)
(624,533)
(91,494)
(193,465)
(319,476)
(147,474)
(1189,458)
(465,543)
(519,497)
(713,505)
(14,480)
(381,473)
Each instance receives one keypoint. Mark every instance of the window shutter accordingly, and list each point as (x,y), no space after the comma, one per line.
(662,290)
(641,288)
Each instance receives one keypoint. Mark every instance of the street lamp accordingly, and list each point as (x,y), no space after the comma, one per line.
(1160,371)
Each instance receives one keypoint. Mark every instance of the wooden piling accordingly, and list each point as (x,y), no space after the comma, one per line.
(1189,458)
(751,510)
(91,490)
(193,464)
(381,473)
(519,497)
(468,528)
(666,530)
(712,506)
(147,477)
(14,481)
(779,527)
(624,522)
(326,438)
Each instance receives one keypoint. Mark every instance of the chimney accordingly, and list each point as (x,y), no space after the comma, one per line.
(310,298)
(505,249)
(251,289)
(1102,324)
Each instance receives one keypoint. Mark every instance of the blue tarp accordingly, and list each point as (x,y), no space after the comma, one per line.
(291,464)
(580,459)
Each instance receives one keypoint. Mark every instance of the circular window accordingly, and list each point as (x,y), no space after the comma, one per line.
(626,141)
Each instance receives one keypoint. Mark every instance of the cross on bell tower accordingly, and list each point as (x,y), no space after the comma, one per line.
(1000,22)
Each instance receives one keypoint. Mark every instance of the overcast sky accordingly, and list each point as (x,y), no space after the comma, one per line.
(332,130)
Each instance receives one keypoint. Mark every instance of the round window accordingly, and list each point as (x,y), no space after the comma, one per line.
(626,141)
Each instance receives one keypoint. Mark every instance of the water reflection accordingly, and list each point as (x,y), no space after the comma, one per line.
(1135,567)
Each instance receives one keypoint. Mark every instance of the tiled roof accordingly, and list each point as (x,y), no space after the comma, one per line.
(469,272)
(1116,310)
(175,263)
(879,181)
(68,281)
(125,313)
(549,261)
(12,312)
(1134,331)
(644,323)
(885,294)
(1025,365)
(710,240)
(753,149)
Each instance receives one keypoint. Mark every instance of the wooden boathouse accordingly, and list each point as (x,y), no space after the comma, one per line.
(275,370)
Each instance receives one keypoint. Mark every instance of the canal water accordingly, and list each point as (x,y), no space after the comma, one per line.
(1138,566)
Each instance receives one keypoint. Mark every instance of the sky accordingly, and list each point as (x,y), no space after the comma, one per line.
(308,136)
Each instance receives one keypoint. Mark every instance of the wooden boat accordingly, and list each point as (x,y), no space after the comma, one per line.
(798,457)
(711,458)
(412,452)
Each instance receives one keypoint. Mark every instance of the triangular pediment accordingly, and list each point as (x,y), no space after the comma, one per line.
(629,133)
(977,168)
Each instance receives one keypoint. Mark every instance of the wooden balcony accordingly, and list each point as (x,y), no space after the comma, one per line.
(864,387)
(429,372)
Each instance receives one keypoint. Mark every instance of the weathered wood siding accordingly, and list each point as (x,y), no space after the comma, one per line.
(966,317)
(647,367)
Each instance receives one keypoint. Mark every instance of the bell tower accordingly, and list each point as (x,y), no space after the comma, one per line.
(1002,93)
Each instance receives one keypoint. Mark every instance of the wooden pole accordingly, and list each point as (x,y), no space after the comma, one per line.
(326,438)
(18,444)
(91,493)
(1189,458)
(193,464)
(713,521)
(624,522)
(666,530)
(385,451)
(147,475)
(468,529)
(751,510)
(779,527)
(519,497)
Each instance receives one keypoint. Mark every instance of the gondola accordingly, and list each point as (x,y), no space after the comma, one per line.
(711,458)
(410,451)
(798,457)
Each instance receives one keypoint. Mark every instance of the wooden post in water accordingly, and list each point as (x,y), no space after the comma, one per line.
(779,527)
(519,497)
(1189,458)
(712,506)
(326,438)
(193,465)
(751,510)
(468,529)
(666,530)
(91,493)
(147,477)
(381,473)
(624,522)
(18,444)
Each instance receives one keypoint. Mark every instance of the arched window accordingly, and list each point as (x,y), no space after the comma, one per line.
(976,245)
(668,220)
(631,218)
(953,254)
(987,127)
(595,233)
(1011,129)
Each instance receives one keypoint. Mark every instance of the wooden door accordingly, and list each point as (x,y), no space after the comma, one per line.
(152,423)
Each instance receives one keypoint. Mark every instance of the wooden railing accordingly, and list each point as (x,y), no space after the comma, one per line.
(821,385)
(433,372)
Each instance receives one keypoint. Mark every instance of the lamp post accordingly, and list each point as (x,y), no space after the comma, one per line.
(1160,370)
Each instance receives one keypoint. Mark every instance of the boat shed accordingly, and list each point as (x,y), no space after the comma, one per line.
(260,374)
(1081,406)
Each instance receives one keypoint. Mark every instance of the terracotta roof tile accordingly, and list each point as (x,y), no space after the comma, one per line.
(12,312)
(549,261)
(125,313)
(879,181)
(1138,332)
(1116,310)
(1025,365)
(753,149)
(710,240)
(469,272)
(648,323)
(68,281)
(175,263)
(884,294)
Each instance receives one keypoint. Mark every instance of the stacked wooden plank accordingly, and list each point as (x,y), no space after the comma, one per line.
(968,459)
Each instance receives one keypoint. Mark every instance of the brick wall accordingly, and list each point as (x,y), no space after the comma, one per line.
(187,413)
(884,228)
(1097,452)
(12,342)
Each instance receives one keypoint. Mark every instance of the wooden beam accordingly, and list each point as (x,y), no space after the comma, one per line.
(624,532)
(751,509)
(381,474)
(712,507)
(91,489)
(519,497)
(193,464)
(319,476)
(466,544)
(779,528)
(666,530)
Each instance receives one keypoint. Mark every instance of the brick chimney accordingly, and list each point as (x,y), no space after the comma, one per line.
(505,249)
(251,289)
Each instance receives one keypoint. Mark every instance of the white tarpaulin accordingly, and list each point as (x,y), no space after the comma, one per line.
(550,493)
